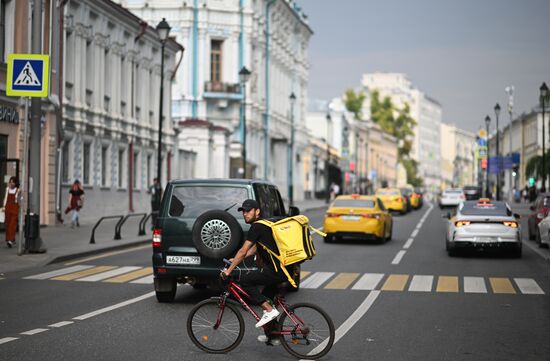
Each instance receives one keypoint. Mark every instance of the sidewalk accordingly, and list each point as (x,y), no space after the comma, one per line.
(63,243)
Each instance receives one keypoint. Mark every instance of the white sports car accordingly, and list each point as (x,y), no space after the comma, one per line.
(483,224)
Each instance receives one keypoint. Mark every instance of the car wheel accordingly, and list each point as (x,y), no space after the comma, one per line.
(329,238)
(165,290)
(217,234)
(517,253)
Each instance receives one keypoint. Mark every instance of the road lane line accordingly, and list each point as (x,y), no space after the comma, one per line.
(368,281)
(414,233)
(502,285)
(80,274)
(528,286)
(351,321)
(342,281)
(33,332)
(398,257)
(447,284)
(304,274)
(103,255)
(316,280)
(61,324)
(8,339)
(131,276)
(114,307)
(147,280)
(409,242)
(395,283)
(59,272)
(421,283)
(474,285)
(108,274)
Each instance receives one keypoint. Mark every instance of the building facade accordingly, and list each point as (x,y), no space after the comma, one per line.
(458,166)
(270,39)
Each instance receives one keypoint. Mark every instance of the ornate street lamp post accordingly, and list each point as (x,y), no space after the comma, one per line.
(163,29)
(327,161)
(499,160)
(487,187)
(244,76)
(292,99)
(543,95)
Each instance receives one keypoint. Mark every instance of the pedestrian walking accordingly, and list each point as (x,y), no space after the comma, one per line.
(76,202)
(156,196)
(11,210)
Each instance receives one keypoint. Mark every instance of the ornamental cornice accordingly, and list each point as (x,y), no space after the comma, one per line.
(117,48)
(146,63)
(84,31)
(102,40)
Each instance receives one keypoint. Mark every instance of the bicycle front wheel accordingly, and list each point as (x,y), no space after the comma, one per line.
(307,332)
(201,326)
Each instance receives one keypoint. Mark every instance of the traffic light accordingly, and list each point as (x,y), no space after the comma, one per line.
(484,163)
(531,181)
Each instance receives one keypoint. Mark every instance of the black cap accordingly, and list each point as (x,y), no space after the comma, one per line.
(248,205)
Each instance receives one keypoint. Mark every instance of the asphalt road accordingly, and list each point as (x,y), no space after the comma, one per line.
(402,300)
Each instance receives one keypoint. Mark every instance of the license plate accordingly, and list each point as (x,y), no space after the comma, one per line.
(196,260)
(485,239)
(351,218)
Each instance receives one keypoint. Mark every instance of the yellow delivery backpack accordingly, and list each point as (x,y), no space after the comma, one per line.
(293,240)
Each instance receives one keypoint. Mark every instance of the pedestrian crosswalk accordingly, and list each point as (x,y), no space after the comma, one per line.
(353,281)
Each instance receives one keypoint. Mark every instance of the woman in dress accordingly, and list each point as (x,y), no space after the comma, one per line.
(11,210)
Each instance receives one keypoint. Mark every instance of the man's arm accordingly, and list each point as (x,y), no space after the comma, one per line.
(241,254)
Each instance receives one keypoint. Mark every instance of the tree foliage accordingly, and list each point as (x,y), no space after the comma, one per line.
(533,168)
(354,103)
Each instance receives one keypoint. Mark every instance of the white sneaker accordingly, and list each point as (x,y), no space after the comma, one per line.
(264,339)
(267,317)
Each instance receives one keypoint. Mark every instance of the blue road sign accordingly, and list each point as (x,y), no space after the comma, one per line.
(27,75)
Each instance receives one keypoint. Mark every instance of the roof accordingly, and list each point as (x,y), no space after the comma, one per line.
(232,181)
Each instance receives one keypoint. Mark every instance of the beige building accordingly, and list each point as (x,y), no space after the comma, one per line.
(382,157)
(458,168)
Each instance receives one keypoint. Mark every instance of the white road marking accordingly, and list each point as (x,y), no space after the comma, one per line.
(147,280)
(114,307)
(351,321)
(368,281)
(108,274)
(414,233)
(61,324)
(408,244)
(474,285)
(528,286)
(59,272)
(33,332)
(421,284)
(316,279)
(398,257)
(8,339)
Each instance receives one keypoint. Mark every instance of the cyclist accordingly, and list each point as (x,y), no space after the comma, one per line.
(267,274)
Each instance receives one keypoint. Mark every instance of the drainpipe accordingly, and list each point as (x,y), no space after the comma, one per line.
(131,177)
(266,111)
(241,64)
(195,57)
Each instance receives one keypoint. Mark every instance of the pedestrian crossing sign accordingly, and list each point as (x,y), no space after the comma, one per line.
(28,75)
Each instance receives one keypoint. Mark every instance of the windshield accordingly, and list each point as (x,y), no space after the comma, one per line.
(192,201)
(354,203)
(485,209)
(387,192)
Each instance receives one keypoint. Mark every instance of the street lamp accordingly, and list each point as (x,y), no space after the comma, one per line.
(487,123)
(543,95)
(499,160)
(327,161)
(163,29)
(244,76)
(292,99)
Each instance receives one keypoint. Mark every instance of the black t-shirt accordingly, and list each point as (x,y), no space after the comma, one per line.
(77,192)
(261,233)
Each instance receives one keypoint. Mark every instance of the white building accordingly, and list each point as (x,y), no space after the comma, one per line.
(458,166)
(425,110)
(269,38)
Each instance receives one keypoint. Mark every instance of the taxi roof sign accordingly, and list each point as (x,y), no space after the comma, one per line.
(28,75)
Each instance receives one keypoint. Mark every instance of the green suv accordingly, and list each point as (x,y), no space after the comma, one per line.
(199,225)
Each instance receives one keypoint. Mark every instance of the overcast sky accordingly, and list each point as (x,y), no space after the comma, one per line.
(463,53)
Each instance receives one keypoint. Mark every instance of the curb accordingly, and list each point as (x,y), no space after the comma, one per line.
(71,256)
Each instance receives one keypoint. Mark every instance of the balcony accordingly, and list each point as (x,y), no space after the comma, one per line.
(219,90)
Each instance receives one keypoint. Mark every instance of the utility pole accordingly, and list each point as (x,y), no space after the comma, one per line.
(33,217)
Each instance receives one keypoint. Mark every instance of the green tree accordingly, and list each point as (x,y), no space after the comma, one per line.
(533,168)
(354,103)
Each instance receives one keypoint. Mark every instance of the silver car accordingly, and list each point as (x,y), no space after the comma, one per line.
(451,197)
(483,224)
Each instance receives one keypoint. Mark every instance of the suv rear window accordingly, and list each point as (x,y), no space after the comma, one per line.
(355,203)
(484,209)
(192,201)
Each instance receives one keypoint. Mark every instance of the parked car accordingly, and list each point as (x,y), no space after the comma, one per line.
(358,216)
(392,199)
(199,225)
(543,232)
(406,193)
(451,197)
(540,210)
(483,225)
(472,193)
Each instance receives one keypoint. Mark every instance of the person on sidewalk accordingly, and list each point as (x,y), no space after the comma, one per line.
(76,202)
(156,196)
(11,210)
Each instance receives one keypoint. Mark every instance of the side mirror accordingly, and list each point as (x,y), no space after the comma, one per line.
(293,211)
(517,216)
(532,208)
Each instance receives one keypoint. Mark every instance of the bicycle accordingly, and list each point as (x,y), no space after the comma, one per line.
(216,325)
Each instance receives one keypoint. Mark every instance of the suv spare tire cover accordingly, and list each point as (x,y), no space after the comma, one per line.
(217,234)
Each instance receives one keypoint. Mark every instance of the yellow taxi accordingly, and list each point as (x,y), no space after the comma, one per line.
(414,197)
(392,199)
(358,216)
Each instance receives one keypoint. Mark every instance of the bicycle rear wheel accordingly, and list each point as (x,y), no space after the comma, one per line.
(201,326)
(308,333)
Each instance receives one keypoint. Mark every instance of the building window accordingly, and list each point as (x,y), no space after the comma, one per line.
(121,167)
(89,72)
(65,161)
(216,61)
(135,173)
(149,166)
(7,27)
(104,157)
(86,154)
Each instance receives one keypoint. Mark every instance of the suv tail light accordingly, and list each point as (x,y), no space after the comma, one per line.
(157,238)
(511,224)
